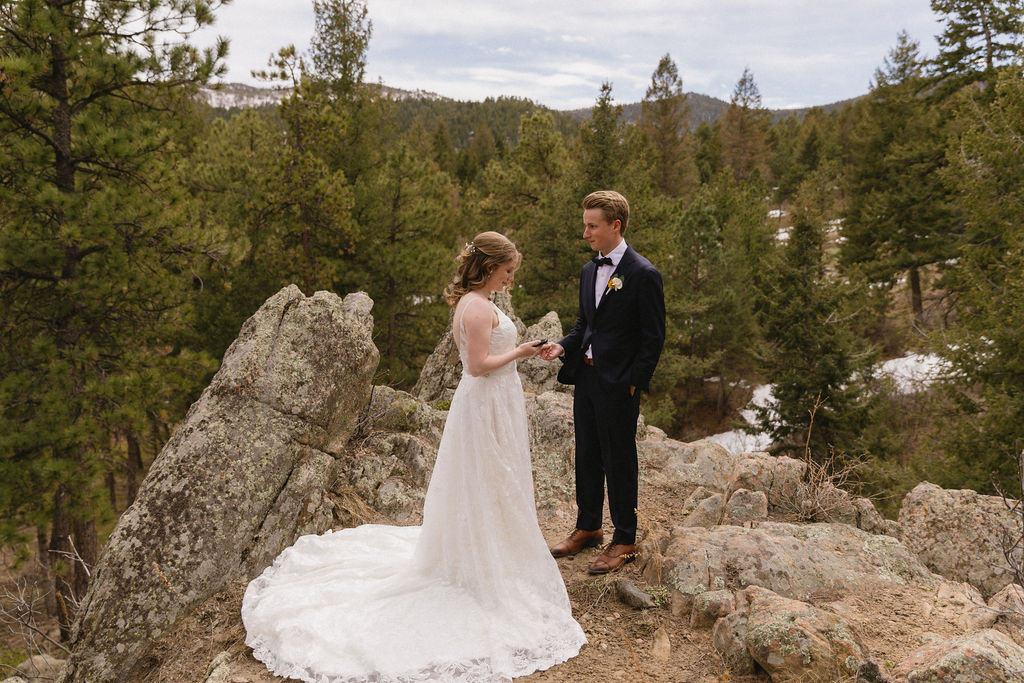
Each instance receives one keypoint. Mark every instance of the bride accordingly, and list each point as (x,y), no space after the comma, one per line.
(473,594)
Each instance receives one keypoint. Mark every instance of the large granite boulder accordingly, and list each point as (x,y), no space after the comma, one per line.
(987,656)
(789,639)
(552,447)
(243,475)
(539,375)
(795,561)
(701,463)
(959,534)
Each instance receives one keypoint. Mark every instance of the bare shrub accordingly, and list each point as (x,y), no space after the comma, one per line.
(824,494)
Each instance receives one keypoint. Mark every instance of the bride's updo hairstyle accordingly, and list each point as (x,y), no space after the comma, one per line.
(477,260)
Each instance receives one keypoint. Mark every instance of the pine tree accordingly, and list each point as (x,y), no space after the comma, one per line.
(533,197)
(94,257)
(663,116)
(977,37)
(709,262)
(816,355)
(408,218)
(900,218)
(602,148)
(443,149)
(744,131)
(986,348)
(339,45)
(708,157)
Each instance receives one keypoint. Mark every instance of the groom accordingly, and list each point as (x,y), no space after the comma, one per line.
(610,355)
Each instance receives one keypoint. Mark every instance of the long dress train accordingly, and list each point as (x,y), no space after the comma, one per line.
(472,595)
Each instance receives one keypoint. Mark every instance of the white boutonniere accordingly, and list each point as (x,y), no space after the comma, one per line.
(615,283)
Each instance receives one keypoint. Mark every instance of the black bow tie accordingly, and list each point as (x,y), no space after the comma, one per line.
(602,261)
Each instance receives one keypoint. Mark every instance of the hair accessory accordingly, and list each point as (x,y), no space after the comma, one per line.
(470,247)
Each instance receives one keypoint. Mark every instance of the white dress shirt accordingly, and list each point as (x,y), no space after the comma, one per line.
(604,274)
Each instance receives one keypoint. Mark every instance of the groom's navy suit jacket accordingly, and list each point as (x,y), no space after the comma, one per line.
(626,331)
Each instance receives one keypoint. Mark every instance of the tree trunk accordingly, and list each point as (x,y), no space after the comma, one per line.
(43,548)
(986,28)
(134,463)
(111,483)
(915,296)
(88,552)
(59,544)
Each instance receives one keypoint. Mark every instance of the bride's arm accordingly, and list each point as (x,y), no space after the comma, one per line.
(478,319)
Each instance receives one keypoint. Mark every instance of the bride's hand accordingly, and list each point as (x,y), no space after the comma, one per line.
(529,349)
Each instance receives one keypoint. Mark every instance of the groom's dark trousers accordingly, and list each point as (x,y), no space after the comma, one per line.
(625,334)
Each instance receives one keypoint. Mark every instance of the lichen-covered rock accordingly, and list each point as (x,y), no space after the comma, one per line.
(868,518)
(745,506)
(972,614)
(441,372)
(394,410)
(701,463)
(959,533)
(244,474)
(730,640)
(708,512)
(1008,607)
(777,477)
(693,500)
(987,656)
(708,607)
(552,447)
(792,560)
(539,375)
(794,641)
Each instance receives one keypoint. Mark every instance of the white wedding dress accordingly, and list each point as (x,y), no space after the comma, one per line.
(472,595)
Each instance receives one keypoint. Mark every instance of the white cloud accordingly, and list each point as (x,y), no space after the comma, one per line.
(802,52)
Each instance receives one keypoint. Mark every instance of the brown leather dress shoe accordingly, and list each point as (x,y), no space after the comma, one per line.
(612,558)
(577,541)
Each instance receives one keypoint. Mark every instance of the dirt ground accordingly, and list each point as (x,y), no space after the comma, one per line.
(891,623)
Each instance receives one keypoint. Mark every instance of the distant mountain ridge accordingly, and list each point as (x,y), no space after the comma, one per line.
(703,108)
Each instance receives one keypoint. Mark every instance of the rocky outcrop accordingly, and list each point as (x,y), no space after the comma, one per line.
(243,475)
(389,466)
(986,656)
(959,534)
(743,488)
(537,374)
(789,639)
(792,560)
(1007,608)
(701,463)
(552,447)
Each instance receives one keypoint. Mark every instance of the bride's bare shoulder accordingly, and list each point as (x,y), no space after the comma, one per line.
(475,311)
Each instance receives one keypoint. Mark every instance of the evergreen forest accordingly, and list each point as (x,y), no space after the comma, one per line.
(139,228)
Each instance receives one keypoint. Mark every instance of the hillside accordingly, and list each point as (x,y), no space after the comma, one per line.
(703,108)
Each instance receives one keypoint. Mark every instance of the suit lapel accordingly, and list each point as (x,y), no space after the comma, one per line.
(589,275)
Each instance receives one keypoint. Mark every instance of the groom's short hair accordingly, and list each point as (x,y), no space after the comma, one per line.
(612,204)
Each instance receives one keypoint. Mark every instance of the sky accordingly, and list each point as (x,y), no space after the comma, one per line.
(558,53)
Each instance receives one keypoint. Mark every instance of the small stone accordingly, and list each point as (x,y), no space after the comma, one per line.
(868,672)
(661,649)
(632,595)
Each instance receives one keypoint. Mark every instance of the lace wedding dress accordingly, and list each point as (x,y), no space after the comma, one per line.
(472,595)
